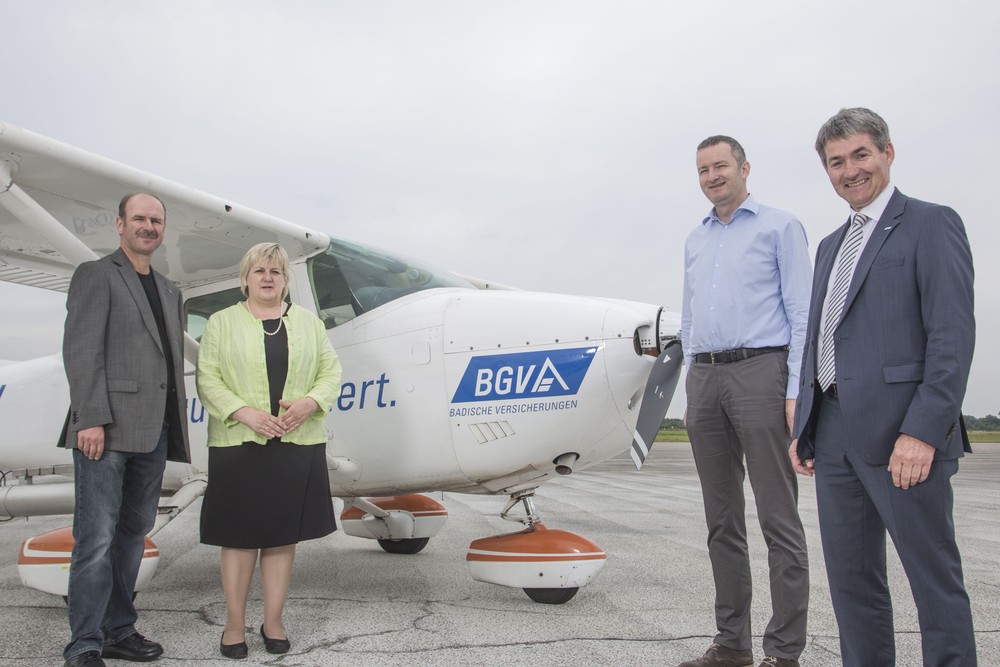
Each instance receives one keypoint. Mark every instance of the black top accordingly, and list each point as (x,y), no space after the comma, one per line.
(276,355)
(149,287)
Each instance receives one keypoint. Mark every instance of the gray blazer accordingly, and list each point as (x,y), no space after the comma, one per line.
(115,363)
(904,345)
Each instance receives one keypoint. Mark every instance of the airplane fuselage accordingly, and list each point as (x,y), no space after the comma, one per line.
(444,389)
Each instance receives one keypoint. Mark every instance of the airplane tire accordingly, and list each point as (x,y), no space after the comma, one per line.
(410,546)
(551,595)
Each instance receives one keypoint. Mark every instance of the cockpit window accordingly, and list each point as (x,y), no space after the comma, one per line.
(198,309)
(350,279)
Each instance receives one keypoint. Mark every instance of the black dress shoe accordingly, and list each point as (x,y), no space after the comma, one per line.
(88,659)
(235,651)
(135,647)
(275,645)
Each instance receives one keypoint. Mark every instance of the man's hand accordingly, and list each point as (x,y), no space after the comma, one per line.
(790,414)
(90,441)
(806,467)
(910,462)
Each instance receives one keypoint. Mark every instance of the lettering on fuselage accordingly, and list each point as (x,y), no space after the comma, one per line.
(532,375)
(359,395)
(353,396)
(511,408)
(195,410)
(2,388)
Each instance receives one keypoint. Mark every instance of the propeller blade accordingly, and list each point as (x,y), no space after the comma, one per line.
(656,399)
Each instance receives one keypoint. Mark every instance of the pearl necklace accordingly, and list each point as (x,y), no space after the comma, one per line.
(266,332)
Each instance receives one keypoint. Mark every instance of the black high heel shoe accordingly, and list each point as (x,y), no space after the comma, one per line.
(235,651)
(275,645)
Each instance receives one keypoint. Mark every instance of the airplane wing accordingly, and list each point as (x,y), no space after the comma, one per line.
(58,206)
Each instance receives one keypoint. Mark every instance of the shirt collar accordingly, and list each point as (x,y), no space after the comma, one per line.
(749,205)
(875,209)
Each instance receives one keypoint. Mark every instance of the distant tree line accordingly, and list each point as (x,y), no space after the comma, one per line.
(987,423)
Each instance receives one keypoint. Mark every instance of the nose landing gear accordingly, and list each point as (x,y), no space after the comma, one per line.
(549,565)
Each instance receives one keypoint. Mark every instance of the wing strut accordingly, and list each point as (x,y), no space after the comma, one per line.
(28,211)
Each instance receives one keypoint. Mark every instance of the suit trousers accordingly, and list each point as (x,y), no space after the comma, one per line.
(736,412)
(857,504)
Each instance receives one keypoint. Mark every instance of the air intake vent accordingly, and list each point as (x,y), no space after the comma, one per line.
(489,431)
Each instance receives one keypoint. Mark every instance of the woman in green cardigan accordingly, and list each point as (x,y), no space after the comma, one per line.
(267,375)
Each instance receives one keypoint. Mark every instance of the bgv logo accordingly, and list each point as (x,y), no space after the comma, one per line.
(499,377)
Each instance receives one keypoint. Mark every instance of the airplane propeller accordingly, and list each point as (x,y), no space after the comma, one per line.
(655,400)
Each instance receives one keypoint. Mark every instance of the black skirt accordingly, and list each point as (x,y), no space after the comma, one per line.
(262,496)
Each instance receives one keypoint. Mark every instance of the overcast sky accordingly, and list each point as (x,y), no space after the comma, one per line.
(546,145)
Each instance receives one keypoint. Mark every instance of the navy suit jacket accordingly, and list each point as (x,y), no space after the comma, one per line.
(904,344)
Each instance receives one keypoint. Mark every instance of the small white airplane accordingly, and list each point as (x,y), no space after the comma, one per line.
(450,383)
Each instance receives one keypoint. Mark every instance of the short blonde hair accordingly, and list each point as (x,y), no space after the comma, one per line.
(264,253)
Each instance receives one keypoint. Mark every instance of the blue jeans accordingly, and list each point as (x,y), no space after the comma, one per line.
(116,500)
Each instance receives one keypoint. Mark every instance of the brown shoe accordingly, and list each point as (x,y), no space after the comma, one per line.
(771,661)
(718,655)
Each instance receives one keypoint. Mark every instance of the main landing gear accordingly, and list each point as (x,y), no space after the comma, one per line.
(400,524)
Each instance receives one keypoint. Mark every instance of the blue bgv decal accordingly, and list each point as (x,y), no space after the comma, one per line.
(504,377)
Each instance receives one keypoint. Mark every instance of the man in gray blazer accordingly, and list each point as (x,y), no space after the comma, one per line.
(878,421)
(122,349)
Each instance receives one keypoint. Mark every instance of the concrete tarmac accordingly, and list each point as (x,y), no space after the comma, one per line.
(352,604)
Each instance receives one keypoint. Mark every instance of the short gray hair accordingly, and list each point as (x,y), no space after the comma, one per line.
(738,152)
(847,122)
(125,200)
(264,253)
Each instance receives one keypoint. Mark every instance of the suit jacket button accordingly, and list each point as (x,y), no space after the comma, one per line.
(163,386)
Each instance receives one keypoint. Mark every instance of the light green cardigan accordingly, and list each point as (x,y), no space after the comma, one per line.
(232,373)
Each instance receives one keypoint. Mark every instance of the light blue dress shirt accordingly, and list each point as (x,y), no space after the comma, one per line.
(747,284)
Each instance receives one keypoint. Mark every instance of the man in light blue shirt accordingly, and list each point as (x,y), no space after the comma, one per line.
(747,281)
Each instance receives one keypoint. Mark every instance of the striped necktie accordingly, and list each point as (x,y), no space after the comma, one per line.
(838,295)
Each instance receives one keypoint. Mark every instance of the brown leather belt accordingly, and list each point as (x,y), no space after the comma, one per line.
(731,356)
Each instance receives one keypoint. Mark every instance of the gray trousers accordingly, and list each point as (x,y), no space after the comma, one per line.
(736,412)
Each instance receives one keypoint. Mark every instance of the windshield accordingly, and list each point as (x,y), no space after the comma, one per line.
(350,279)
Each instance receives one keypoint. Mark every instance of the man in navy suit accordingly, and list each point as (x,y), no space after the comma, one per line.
(878,420)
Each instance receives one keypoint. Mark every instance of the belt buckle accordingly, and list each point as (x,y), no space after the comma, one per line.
(712,357)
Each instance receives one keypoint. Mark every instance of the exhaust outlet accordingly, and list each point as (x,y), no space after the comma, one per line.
(565,462)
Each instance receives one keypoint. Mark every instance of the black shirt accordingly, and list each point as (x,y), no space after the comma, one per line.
(149,287)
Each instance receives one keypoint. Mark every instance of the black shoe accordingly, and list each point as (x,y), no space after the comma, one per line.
(88,659)
(275,645)
(235,651)
(135,647)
